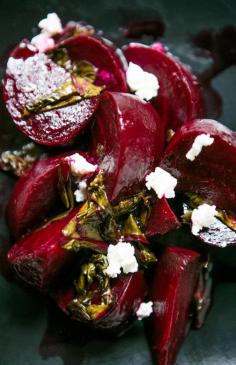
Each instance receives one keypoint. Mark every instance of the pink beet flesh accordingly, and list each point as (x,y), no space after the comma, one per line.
(172,293)
(212,174)
(128,138)
(35,195)
(162,219)
(102,55)
(27,79)
(179,96)
(128,291)
(39,258)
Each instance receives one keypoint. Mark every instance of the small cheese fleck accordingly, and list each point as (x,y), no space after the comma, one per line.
(51,24)
(162,182)
(80,166)
(43,42)
(203,217)
(200,141)
(145,309)
(144,84)
(81,193)
(121,256)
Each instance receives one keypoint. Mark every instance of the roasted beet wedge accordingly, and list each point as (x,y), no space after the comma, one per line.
(128,139)
(39,258)
(36,194)
(212,174)
(162,219)
(172,293)
(29,77)
(102,55)
(179,97)
(126,293)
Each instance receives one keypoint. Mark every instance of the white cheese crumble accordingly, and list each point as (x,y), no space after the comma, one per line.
(121,256)
(162,182)
(200,141)
(203,216)
(81,193)
(144,84)
(51,24)
(43,42)
(145,309)
(79,165)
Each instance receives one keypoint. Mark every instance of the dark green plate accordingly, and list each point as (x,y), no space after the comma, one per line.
(32,331)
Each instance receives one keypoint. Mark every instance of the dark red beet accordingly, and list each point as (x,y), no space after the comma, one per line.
(172,293)
(39,258)
(128,138)
(101,54)
(162,219)
(179,97)
(31,75)
(35,195)
(212,174)
(128,292)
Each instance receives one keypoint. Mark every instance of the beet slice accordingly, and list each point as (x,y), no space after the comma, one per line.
(179,97)
(162,219)
(36,195)
(101,54)
(128,139)
(212,174)
(39,258)
(31,75)
(128,292)
(172,293)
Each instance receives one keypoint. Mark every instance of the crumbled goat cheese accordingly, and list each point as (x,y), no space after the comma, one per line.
(145,309)
(162,182)
(144,84)
(43,42)
(51,24)
(200,141)
(121,256)
(81,193)
(203,216)
(79,165)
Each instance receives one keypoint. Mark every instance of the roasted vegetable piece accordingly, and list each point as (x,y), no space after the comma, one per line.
(31,76)
(110,311)
(212,174)
(162,219)
(179,96)
(128,141)
(172,293)
(36,194)
(100,53)
(39,258)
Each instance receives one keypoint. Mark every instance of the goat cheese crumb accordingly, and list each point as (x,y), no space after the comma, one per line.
(144,84)
(203,216)
(121,256)
(145,309)
(43,42)
(81,193)
(51,24)
(162,182)
(200,141)
(79,165)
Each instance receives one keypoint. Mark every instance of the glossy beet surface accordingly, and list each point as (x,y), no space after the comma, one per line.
(162,219)
(31,75)
(215,179)
(101,54)
(39,258)
(179,97)
(128,292)
(128,139)
(172,293)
